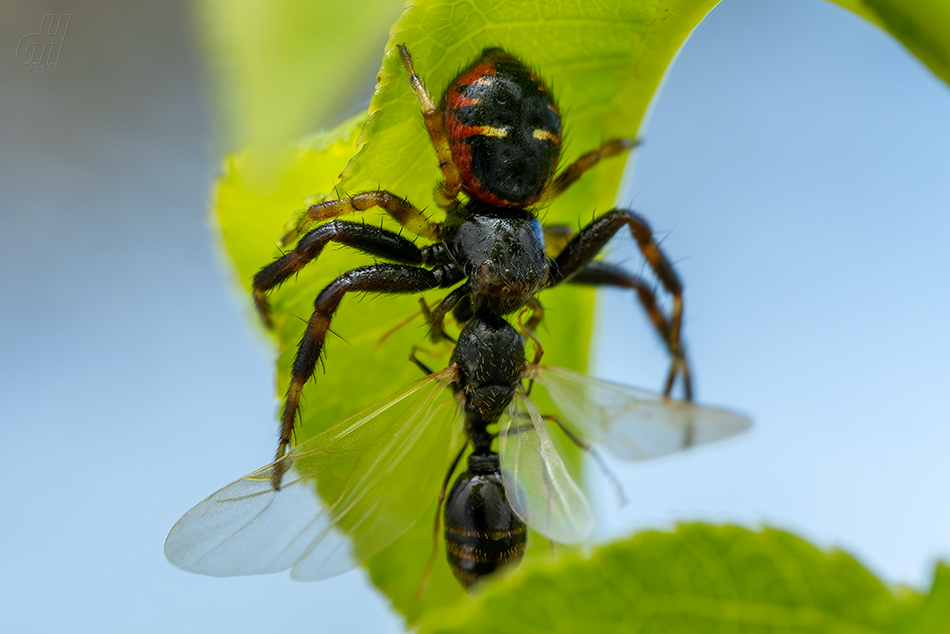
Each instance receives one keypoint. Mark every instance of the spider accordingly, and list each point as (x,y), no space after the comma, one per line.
(497,137)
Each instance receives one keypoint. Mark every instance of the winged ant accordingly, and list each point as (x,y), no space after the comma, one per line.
(339,498)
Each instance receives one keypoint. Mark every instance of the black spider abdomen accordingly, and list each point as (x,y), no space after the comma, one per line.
(504,129)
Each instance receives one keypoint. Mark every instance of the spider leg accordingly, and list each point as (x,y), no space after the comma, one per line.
(390,279)
(446,192)
(599,273)
(604,274)
(575,261)
(399,209)
(367,238)
(574,171)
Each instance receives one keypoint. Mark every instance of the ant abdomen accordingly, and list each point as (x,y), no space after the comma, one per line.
(482,533)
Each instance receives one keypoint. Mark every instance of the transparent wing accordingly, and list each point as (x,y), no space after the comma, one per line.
(346,494)
(630,423)
(540,490)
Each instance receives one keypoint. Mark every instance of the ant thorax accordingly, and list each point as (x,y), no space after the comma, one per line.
(490,358)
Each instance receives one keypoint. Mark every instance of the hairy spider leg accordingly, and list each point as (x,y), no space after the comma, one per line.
(398,208)
(369,239)
(388,279)
(573,172)
(604,274)
(600,273)
(580,252)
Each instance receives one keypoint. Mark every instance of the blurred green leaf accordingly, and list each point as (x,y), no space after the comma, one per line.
(278,66)
(698,579)
(604,63)
(279,69)
(933,617)
(923,26)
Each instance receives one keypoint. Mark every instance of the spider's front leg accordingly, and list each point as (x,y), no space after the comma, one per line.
(369,239)
(575,264)
(446,192)
(390,279)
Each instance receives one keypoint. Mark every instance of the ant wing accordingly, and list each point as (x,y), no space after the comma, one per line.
(345,494)
(540,490)
(630,423)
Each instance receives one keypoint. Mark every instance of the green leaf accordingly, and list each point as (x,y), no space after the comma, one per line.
(278,68)
(607,63)
(923,26)
(933,616)
(698,579)
(278,65)
(253,211)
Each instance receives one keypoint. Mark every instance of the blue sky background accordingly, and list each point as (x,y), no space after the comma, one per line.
(795,164)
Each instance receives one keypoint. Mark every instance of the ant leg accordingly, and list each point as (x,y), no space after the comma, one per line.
(419,364)
(580,252)
(448,190)
(537,314)
(438,524)
(367,238)
(593,453)
(391,279)
(436,318)
(574,171)
(441,499)
(437,332)
(399,209)
(394,329)
(604,274)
